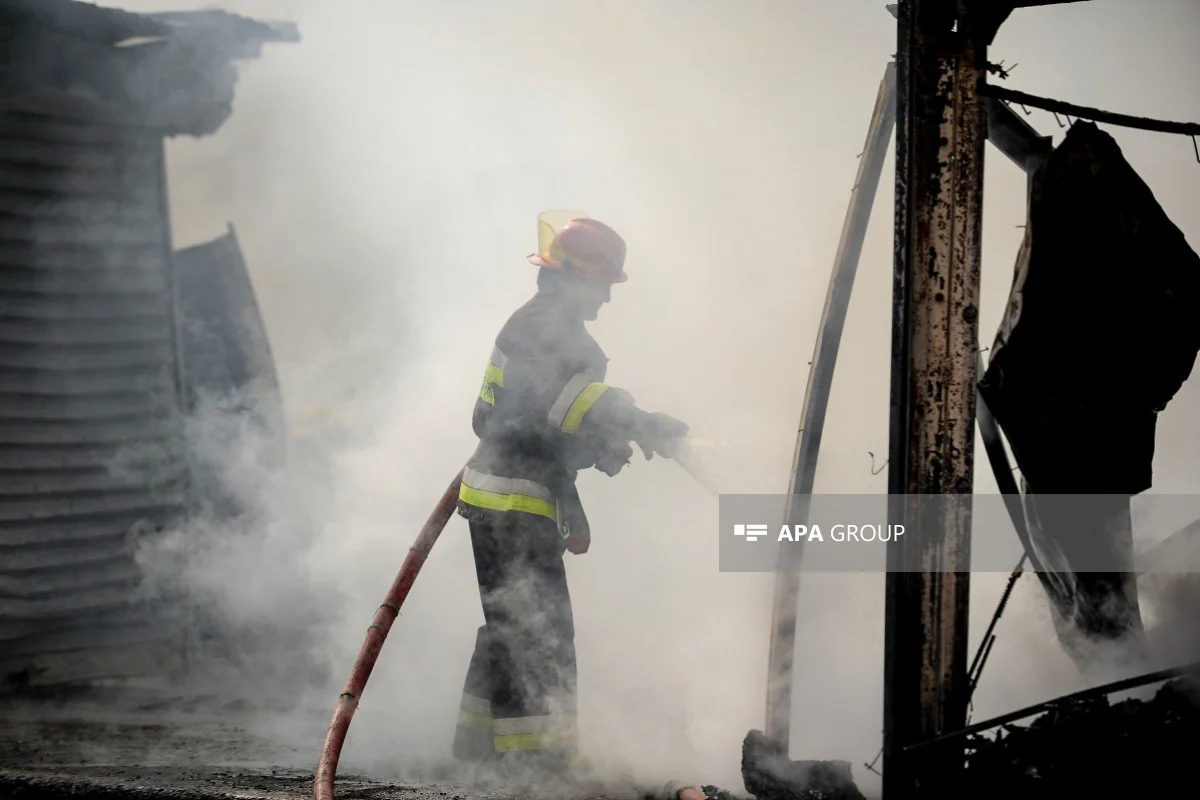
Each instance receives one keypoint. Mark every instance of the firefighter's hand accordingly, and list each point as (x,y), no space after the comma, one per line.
(657,431)
(613,459)
(578,543)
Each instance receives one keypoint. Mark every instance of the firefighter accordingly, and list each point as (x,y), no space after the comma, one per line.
(543,413)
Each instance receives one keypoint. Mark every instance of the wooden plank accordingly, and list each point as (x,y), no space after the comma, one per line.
(142,285)
(116,573)
(118,333)
(33,407)
(54,669)
(121,431)
(20,127)
(89,554)
(51,233)
(27,532)
(112,598)
(141,501)
(129,212)
(51,485)
(86,308)
(112,162)
(98,260)
(76,184)
(78,384)
(83,357)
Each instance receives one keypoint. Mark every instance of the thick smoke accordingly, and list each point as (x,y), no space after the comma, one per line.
(385,175)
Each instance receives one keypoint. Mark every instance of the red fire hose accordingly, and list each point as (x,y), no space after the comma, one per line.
(347,703)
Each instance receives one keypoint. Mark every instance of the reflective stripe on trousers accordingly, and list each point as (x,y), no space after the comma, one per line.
(575,400)
(495,493)
(475,712)
(557,732)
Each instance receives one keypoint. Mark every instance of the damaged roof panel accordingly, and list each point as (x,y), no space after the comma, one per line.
(167,72)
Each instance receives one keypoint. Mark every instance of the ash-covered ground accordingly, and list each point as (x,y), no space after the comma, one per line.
(147,744)
(143,744)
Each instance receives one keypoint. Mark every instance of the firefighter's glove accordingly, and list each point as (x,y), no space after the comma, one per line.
(578,543)
(614,458)
(657,431)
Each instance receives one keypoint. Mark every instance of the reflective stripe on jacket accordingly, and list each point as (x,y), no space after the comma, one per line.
(544,412)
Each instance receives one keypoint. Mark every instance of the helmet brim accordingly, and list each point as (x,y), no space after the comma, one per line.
(549,263)
(539,261)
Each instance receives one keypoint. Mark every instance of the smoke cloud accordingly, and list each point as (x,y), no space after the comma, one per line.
(384,176)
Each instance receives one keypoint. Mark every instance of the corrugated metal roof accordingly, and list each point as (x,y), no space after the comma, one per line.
(92,448)
(91,437)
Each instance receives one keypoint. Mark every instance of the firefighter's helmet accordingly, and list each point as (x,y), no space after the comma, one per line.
(583,246)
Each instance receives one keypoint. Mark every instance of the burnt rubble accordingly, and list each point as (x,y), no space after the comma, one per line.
(770,775)
(1092,748)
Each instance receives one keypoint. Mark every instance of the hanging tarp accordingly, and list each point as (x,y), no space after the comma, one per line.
(1102,326)
(1102,329)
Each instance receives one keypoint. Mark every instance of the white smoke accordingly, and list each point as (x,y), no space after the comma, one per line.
(385,175)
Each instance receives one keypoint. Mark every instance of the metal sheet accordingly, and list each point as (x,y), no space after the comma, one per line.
(226,350)
(87,370)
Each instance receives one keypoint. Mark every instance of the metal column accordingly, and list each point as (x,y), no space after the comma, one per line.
(941,133)
(816,401)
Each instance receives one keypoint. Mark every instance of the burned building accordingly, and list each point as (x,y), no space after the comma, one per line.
(98,369)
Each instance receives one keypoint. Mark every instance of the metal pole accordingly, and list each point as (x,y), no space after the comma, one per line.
(939,192)
(816,401)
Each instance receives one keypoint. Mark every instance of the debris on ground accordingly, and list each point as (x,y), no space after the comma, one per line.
(770,775)
(716,793)
(1092,748)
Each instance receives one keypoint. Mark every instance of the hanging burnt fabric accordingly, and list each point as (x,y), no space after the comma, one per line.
(1102,326)
(1102,329)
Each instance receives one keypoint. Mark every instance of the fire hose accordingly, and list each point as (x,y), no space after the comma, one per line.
(347,704)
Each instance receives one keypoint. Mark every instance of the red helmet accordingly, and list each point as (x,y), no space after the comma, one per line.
(585,247)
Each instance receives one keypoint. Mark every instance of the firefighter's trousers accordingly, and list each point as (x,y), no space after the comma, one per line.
(519,695)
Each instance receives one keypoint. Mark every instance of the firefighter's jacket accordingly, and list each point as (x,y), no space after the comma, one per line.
(543,413)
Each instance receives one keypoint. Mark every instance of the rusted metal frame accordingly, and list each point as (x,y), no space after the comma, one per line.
(1094,114)
(816,402)
(1015,138)
(942,134)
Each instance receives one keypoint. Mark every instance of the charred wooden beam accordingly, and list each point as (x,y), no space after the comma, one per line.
(941,136)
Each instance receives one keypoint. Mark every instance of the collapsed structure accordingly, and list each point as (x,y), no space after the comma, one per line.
(98,369)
